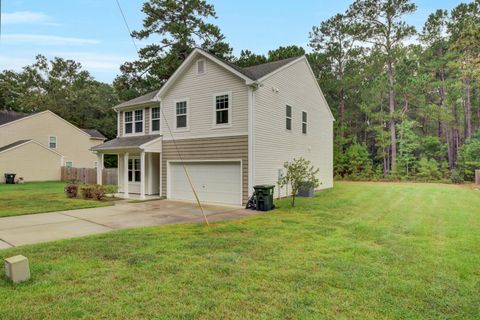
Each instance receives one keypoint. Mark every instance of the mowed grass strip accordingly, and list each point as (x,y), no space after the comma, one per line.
(39,197)
(358,251)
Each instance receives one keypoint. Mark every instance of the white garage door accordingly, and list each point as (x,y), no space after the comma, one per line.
(213,181)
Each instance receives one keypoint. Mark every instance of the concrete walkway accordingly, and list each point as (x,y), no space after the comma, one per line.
(43,227)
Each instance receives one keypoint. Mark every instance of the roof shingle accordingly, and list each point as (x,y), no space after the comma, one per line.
(14,144)
(94,133)
(9,116)
(126,142)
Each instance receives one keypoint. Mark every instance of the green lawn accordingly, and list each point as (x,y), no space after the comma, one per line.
(37,197)
(360,250)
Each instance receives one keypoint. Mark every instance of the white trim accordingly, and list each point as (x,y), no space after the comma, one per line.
(160,182)
(142,175)
(118,122)
(56,142)
(125,134)
(251,136)
(268,75)
(319,89)
(169,162)
(230,110)
(186,63)
(213,135)
(187,128)
(204,67)
(29,141)
(159,120)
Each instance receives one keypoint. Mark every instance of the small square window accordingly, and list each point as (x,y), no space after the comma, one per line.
(69,164)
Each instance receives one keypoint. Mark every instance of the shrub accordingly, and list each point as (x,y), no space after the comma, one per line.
(99,192)
(456,177)
(428,170)
(300,172)
(87,191)
(71,190)
(111,189)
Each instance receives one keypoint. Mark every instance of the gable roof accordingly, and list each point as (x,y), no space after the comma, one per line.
(94,133)
(18,116)
(9,116)
(20,143)
(126,142)
(249,74)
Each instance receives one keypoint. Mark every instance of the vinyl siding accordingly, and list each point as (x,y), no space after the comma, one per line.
(224,148)
(32,162)
(72,143)
(200,90)
(274,144)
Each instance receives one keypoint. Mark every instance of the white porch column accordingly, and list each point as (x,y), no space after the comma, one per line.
(125,175)
(142,175)
(99,167)
(150,170)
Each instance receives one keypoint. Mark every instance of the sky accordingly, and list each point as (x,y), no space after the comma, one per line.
(93,33)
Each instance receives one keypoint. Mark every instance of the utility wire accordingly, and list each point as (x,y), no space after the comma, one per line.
(126,25)
(168,127)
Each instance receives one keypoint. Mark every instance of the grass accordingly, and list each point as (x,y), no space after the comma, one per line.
(358,251)
(38,197)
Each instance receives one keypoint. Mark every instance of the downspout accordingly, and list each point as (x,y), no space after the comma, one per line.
(251,137)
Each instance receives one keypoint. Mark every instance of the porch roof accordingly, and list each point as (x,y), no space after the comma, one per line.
(133,142)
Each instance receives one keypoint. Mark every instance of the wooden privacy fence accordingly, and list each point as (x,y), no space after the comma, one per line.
(89,175)
(477,177)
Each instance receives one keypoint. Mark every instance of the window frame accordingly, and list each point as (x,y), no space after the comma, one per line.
(56,142)
(305,123)
(216,125)
(134,169)
(66,164)
(204,67)
(288,118)
(187,101)
(159,120)
(133,122)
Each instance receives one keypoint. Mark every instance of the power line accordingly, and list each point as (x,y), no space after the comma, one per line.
(168,127)
(126,25)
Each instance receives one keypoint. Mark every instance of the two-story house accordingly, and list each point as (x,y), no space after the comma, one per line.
(35,146)
(229,128)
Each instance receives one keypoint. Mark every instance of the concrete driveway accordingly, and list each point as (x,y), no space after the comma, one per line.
(43,227)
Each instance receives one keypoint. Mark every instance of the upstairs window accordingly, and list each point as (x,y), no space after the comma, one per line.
(304,122)
(128,122)
(201,66)
(52,142)
(138,121)
(288,117)
(181,114)
(156,119)
(133,121)
(222,109)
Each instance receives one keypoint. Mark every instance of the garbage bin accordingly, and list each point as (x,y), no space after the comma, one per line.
(264,197)
(10,178)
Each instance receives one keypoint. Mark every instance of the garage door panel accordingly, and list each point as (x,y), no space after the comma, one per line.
(213,181)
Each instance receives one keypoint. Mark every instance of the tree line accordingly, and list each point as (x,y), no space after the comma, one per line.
(406,101)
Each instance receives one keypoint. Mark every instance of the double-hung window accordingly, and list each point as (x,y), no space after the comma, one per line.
(133,121)
(69,164)
(128,122)
(304,122)
(222,109)
(138,121)
(134,170)
(52,142)
(155,119)
(288,117)
(181,113)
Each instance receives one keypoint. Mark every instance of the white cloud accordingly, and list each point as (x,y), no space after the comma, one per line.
(27,17)
(92,61)
(47,39)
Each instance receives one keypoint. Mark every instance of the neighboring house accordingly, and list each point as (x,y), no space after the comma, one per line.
(35,146)
(232,127)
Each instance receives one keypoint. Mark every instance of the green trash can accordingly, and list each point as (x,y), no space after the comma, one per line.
(10,178)
(264,197)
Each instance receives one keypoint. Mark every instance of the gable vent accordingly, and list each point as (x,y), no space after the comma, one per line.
(201,66)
